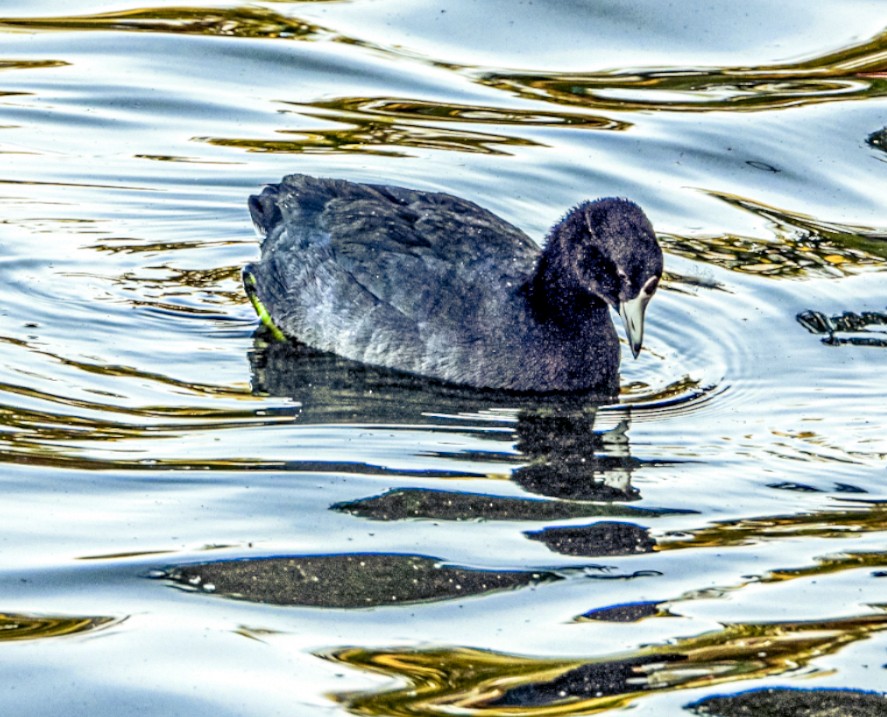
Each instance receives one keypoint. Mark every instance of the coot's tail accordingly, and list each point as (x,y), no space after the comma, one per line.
(265,210)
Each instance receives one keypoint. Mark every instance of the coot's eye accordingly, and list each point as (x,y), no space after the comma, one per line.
(651,286)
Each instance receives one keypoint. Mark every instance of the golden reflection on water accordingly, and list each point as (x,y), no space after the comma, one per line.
(14,627)
(405,123)
(406,109)
(376,138)
(51,429)
(228,22)
(788,258)
(803,245)
(130,245)
(490,683)
(30,65)
(192,284)
(683,391)
(847,74)
(854,72)
(191,387)
(830,564)
(838,523)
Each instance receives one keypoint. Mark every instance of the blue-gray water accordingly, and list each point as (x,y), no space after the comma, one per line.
(144,426)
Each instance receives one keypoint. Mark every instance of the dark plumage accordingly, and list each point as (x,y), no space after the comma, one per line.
(435,285)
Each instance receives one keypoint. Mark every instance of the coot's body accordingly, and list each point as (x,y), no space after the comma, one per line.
(435,285)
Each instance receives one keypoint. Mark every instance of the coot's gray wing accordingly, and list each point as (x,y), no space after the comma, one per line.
(427,255)
(387,275)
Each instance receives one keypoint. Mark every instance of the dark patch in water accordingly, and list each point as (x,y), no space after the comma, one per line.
(598,539)
(356,580)
(798,487)
(412,503)
(846,328)
(763,166)
(629,612)
(878,140)
(598,679)
(847,488)
(781,701)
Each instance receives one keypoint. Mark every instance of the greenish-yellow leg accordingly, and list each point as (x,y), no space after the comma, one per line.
(249,285)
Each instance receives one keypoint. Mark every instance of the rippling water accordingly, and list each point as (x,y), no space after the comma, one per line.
(195,519)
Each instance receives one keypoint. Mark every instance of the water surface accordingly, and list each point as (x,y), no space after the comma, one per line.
(412,548)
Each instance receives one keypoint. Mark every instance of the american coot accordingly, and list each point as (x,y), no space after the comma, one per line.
(435,285)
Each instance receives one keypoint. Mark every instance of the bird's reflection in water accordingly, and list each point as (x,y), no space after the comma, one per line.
(569,460)
(560,454)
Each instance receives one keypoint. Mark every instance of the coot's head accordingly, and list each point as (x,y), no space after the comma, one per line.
(616,257)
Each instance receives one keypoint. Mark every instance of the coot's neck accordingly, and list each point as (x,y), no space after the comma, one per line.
(553,291)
